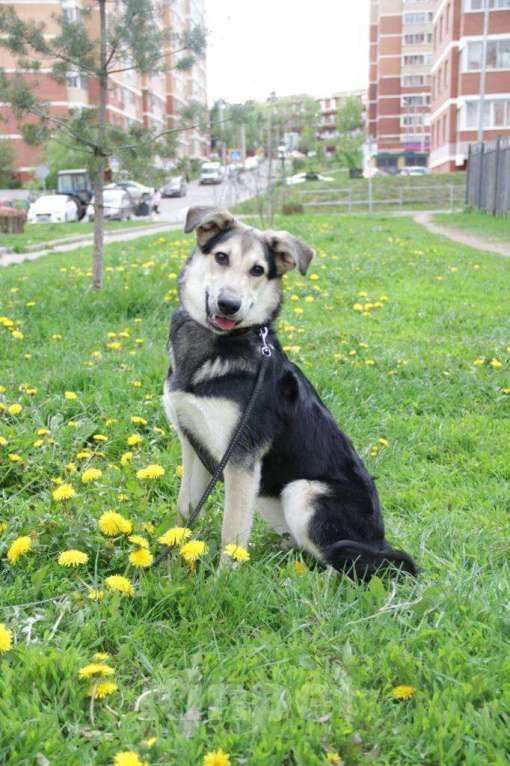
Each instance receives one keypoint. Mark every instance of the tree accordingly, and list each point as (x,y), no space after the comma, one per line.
(6,163)
(349,125)
(96,45)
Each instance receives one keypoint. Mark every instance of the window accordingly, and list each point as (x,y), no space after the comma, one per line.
(75,80)
(498,55)
(418,100)
(480,5)
(414,39)
(71,13)
(419,59)
(412,80)
(496,114)
(418,18)
(411,120)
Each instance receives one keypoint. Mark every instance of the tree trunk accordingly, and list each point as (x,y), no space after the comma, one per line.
(97,266)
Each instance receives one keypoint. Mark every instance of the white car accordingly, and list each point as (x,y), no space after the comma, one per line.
(138,191)
(53,208)
(118,206)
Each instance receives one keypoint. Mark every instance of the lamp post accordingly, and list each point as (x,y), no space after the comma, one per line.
(483,73)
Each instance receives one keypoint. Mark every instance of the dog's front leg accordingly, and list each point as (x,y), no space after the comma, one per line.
(195,478)
(241,489)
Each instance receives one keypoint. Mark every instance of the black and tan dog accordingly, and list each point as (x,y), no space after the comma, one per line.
(293,465)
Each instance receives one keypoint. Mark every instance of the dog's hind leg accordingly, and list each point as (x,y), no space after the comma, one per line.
(241,488)
(271,510)
(298,500)
(195,478)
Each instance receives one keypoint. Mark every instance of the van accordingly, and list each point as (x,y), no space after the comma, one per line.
(211,173)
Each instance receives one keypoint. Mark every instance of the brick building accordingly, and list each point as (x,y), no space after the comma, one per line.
(400,83)
(329,107)
(456,78)
(132,99)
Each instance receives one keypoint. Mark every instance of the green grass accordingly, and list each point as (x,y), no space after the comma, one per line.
(479,224)
(40,233)
(275,667)
(386,190)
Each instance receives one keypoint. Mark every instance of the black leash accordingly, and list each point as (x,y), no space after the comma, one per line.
(266,355)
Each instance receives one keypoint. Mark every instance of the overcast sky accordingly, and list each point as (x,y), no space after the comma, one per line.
(312,46)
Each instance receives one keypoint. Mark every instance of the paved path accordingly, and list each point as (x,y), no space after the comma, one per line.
(462,237)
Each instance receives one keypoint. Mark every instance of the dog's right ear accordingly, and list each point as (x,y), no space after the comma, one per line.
(208,221)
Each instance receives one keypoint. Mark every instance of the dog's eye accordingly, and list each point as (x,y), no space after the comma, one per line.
(221,258)
(257,271)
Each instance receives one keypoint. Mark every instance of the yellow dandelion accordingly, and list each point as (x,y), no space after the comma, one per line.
(179,471)
(90,475)
(101,656)
(5,638)
(112,524)
(63,492)
(334,758)
(15,409)
(102,689)
(153,471)
(138,540)
(70,395)
(3,441)
(403,692)
(175,536)
(95,595)
(141,558)
(100,438)
(383,441)
(3,526)
(134,440)
(138,421)
(217,758)
(85,454)
(505,391)
(479,361)
(14,457)
(120,584)
(18,548)
(193,550)
(149,527)
(237,553)
(95,669)
(128,758)
(126,458)
(496,364)
(72,558)
(300,568)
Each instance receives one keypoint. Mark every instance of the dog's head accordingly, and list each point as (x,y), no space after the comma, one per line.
(233,278)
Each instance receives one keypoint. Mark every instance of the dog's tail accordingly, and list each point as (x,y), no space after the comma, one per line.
(364,560)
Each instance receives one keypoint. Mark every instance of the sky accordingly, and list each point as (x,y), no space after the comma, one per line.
(287,46)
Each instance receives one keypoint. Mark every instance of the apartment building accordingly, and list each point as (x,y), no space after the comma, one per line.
(154,102)
(399,93)
(329,107)
(456,78)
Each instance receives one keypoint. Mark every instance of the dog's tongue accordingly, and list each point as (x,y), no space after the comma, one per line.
(223,323)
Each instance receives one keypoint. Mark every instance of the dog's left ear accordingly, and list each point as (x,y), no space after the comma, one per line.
(208,221)
(289,251)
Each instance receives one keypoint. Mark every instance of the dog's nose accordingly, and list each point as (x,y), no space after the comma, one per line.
(228,304)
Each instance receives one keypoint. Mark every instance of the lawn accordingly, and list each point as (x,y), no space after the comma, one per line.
(36,234)
(390,193)
(492,227)
(275,662)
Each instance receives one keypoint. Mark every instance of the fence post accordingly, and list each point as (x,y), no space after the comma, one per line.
(401,199)
(496,176)
(452,191)
(468,178)
(480,179)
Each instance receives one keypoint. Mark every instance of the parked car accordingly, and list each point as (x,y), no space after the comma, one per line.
(53,208)
(118,206)
(415,170)
(211,173)
(174,187)
(139,192)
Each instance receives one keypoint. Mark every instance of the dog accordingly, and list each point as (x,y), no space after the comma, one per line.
(292,465)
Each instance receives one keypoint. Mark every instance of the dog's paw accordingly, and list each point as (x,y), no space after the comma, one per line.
(287,543)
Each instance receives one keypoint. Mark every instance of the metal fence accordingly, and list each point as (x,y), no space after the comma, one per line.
(488,180)
(424,197)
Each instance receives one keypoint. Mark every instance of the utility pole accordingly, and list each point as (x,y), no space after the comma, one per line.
(483,73)
(272,99)
(370,190)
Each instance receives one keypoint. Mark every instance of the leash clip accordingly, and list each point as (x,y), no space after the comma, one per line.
(266,351)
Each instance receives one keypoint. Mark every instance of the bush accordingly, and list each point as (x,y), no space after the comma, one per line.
(12,221)
(292,208)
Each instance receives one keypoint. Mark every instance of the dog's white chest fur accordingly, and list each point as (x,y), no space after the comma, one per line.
(211,420)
